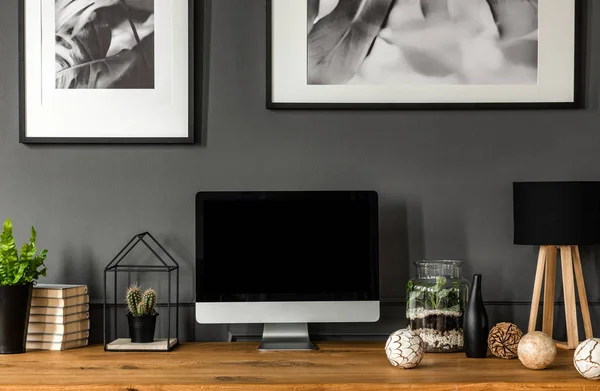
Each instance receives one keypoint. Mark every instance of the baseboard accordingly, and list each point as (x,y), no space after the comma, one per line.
(384,303)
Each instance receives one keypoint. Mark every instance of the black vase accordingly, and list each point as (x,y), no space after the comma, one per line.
(141,328)
(15,303)
(476,323)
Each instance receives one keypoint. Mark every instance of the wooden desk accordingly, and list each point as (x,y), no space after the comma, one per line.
(238,366)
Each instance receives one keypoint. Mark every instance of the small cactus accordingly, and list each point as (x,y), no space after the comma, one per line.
(133,297)
(149,301)
(141,309)
(138,304)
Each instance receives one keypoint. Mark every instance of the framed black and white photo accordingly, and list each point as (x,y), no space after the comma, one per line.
(424,54)
(109,71)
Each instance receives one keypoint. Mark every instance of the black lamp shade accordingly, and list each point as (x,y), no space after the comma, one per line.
(556,213)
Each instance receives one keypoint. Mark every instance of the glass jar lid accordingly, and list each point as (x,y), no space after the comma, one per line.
(454,262)
(438,268)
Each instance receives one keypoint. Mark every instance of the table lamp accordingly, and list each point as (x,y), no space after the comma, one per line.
(558,216)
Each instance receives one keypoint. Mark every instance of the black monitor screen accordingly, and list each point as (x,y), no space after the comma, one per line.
(286,246)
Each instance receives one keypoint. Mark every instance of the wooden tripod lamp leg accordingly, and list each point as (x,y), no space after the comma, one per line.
(566,256)
(549,290)
(583,301)
(537,289)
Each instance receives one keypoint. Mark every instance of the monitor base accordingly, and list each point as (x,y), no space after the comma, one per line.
(286,336)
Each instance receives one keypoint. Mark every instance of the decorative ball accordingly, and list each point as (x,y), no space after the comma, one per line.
(503,340)
(587,359)
(405,349)
(536,350)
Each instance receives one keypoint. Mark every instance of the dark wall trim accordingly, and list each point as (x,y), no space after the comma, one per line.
(384,303)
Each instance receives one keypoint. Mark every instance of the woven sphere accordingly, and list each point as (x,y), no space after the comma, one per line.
(587,359)
(503,340)
(405,349)
(536,350)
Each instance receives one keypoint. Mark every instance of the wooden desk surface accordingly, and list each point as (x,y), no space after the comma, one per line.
(239,366)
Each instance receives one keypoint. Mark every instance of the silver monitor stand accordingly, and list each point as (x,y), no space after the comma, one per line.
(286,336)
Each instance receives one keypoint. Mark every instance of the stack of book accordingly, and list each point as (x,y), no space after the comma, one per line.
(59,317)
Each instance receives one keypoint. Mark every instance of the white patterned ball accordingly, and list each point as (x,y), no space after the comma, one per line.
(587,358)
(404,349)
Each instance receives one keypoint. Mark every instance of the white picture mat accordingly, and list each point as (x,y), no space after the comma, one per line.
(556,72)
(162,112)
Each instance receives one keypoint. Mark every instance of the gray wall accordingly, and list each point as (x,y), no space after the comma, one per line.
(444,178)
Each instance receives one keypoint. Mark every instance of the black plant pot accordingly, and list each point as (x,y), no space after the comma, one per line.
(141,328)
(15,303)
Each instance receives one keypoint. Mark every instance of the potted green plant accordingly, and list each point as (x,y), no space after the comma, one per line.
(141,314)
(18,274)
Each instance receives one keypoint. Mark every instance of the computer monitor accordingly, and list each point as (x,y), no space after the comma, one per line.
(286,259)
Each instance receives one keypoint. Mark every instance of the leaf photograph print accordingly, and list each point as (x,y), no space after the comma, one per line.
(103,44)
(422,42)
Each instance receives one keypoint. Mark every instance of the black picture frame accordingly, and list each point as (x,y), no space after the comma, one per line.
(196,45)
(581,7)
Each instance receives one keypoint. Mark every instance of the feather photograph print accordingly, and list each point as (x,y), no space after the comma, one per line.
(422,42)
(102,44)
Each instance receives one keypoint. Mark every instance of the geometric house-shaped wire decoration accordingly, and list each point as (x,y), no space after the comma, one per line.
(166,265)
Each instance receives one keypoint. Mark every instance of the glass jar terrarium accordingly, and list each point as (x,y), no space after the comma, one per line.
(435,305)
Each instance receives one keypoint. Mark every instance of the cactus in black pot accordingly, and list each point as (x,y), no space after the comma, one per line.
(142,314)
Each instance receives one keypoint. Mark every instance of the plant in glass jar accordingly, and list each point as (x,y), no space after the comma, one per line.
(436,303)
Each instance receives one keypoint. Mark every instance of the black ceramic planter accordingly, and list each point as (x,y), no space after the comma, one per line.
(15,303)
(141,328)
